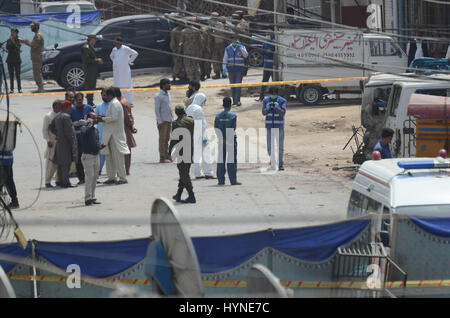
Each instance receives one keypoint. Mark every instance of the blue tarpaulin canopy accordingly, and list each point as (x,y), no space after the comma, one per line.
(25,19)
(96,259)
(312,244)
(437,226)
(13,250)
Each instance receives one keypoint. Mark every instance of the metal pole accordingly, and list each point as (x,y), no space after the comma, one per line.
(276,64)
(333,12)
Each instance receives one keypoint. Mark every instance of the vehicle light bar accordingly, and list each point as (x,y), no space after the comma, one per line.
(424,164)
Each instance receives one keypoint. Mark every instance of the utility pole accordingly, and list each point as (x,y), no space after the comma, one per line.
(333,12)
(279,6)
(276,75)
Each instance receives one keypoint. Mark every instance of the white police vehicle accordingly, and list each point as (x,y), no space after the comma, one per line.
(404,186)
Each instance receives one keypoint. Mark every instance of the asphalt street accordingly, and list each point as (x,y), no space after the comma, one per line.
(287,199)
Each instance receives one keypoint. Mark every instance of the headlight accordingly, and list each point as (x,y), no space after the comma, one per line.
(51,54)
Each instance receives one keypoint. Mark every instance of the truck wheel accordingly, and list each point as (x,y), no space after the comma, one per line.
(255,58)
(310,95)
(72,76)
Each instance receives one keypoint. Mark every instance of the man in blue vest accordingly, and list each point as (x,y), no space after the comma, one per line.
(274,108)
(79,114)
(267,51)
(7,163)
(225,125)
(234,62)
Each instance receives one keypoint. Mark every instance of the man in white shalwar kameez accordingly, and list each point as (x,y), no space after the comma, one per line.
(202,151)
(114,140)
(122,57)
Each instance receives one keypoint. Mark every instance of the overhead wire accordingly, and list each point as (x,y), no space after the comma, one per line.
(345,63)
(331,24)
(362,66)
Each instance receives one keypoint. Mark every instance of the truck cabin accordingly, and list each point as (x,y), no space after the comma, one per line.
(396,117)
(406,186)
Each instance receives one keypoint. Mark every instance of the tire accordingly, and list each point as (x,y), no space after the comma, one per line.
(255,58)
(310,95)
(72,76)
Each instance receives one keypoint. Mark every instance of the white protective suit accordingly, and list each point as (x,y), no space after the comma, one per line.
(121,59)
(115,140)
(202,151)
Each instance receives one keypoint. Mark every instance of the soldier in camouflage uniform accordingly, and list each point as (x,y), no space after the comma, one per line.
(243,28)
(206,40)
(37,49)
(218,44)
(178,66)
(190,39)
(90,66)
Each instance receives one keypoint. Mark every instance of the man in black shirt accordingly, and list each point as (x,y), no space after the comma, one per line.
(90,147)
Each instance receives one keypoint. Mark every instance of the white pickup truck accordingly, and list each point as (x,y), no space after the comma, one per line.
(326,54)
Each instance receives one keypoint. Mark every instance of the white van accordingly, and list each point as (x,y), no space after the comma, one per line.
(384,188)
(325,54)
(397,108)
(376,91)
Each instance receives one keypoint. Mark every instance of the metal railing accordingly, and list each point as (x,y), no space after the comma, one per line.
(366,262)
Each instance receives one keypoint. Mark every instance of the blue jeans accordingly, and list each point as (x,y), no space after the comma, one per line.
(224,152)
(275,135)
(236,77)
(102,162)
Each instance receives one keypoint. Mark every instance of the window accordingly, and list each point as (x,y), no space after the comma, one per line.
(386,220)
(111,32)
(354,205)
(383,47)
(369,205)
(435,92)
(146,29)
(360,204)
(395,99)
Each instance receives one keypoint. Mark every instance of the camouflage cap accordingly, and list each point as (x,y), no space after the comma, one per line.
(215,14)
(92,36)
(179,109)
(235,15)
(239,12)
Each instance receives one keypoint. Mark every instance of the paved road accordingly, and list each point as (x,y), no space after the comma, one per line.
(286,199)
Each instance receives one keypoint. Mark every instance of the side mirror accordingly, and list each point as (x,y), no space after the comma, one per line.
(384,238)
(99,37)
(56,46)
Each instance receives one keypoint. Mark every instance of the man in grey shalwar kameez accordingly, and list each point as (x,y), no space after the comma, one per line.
(66,143)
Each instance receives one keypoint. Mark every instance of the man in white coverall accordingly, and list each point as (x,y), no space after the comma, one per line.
(114,139)
(122,57)
(202,151)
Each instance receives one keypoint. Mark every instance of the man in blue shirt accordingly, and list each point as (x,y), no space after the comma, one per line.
(100,110)
(383,145)
(7,160)
(267,51)
(79,115)
(274,108)
(234,62)
(225,125)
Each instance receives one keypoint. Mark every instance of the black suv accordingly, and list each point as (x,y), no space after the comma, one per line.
(62,62)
